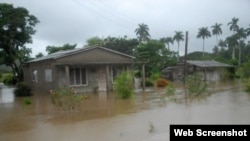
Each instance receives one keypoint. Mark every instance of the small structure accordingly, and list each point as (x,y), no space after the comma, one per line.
(85,69)
(210,69)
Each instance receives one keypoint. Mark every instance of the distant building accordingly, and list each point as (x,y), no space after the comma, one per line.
(211,70)
(85,69)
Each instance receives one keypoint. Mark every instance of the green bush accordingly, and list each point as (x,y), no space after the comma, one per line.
(124,86)
(8,79)
(26,101)
(195,85)
(22,90)
(66,98)
(170,89)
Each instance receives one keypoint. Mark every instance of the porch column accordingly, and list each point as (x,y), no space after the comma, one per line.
(107,78)
(67,75)
(143,76)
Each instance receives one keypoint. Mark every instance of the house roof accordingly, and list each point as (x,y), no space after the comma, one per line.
(61,54)
(208,64)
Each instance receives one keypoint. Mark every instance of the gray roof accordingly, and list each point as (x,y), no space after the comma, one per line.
(208,64)
(74,51)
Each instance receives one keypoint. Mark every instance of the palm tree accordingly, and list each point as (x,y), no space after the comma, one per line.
(241,35)
(178,37)
(233,25)
(232,41)
(216,30)
(203,33)
(248,31)
(222,44)
(167,40)
(142,32)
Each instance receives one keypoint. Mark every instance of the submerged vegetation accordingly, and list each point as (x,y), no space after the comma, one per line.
(124,86)
(22,89)
(195,85)
(66,98)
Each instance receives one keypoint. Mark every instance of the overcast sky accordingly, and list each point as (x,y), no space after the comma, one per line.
(75,21)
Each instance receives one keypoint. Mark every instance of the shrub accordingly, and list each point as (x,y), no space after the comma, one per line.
(8,79)
(195,85)
(66,98)
(161,82)
(22,90)
(123,86)
(170,89)
(26,101)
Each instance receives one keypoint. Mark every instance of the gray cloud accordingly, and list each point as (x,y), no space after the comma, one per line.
(75,21)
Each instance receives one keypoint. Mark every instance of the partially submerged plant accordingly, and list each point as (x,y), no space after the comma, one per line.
(170,89)
(124,86)
(151,127)
(195,85)
(26,101)
(66,98)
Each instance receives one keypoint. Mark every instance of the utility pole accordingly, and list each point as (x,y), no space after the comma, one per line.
(185,57)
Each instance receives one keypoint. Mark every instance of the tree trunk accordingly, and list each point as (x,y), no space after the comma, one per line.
(203,46)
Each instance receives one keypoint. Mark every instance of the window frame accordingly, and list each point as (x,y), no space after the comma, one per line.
(74,69)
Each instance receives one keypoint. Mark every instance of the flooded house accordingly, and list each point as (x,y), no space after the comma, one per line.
(87,69)
(211,70)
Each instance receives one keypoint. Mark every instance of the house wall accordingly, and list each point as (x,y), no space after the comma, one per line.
(41,83)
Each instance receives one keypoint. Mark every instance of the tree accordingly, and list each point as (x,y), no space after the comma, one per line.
(155,55)
(167,40)
(142,32)
(40,54)
(203,33)
(216,30)
(248,31)
(233,25)
(17,27)
(95,41)
(241,35)
(232,42)
(53,49)
(178,37)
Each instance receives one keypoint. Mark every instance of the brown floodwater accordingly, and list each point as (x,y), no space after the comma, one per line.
(102,117)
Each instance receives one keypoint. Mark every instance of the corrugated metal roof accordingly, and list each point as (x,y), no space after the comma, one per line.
(74,51)
(208,64)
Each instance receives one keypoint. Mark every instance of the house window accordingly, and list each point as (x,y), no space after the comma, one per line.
(35,76)
(48,75)
(78,76)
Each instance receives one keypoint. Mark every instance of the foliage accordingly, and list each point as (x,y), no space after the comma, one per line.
(8,79)
(155,55)
(40,54)
(121,44)
(123,85)
(142,32)
(17,28)
(66,98)
(22,89)
(162,82)
(178,37)
(53,49)
(195,85)
(155,76)
(170,89)
(26,101)
(245,70)
(203,33)
(248,86)
(95,41)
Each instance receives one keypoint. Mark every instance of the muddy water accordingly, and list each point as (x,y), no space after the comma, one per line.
(145,117)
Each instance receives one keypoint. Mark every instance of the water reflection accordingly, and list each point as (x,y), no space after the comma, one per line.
(104,117)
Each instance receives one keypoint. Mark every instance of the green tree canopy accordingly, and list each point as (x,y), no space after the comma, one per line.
(53,49)
(216,30)
(155,55)
(203,33)
(142,32)
(16,30)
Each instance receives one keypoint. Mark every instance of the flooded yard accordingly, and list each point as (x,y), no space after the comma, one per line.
(102,117)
